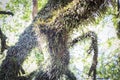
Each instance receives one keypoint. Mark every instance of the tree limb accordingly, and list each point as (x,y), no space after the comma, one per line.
(3,42)
(70,75)
(7,12)
(93,47)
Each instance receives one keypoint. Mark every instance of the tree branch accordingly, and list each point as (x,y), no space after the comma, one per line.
(77,13)
(6,12)
(3,42)
(93,47)
(70,75)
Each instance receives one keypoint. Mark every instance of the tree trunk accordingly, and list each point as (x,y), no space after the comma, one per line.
(27,41)
(35,8)
(50,31)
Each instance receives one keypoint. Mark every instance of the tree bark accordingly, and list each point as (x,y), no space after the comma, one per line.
(50,31)
(27,41)
(35,8)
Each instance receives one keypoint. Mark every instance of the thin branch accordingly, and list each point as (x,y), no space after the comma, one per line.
(7,12)
(3,41)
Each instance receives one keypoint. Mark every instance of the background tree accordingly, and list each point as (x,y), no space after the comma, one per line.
(35,8)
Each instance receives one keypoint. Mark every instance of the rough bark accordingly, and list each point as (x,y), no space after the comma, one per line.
(56,33)
(50,31)
(11,66)
(51,6)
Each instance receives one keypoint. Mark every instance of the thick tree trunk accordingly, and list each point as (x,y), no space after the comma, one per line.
(50,31)
(11,66)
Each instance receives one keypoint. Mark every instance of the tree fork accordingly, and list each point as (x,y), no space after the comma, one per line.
(55,34)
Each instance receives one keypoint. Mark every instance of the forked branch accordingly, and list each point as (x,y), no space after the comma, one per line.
(93,47)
